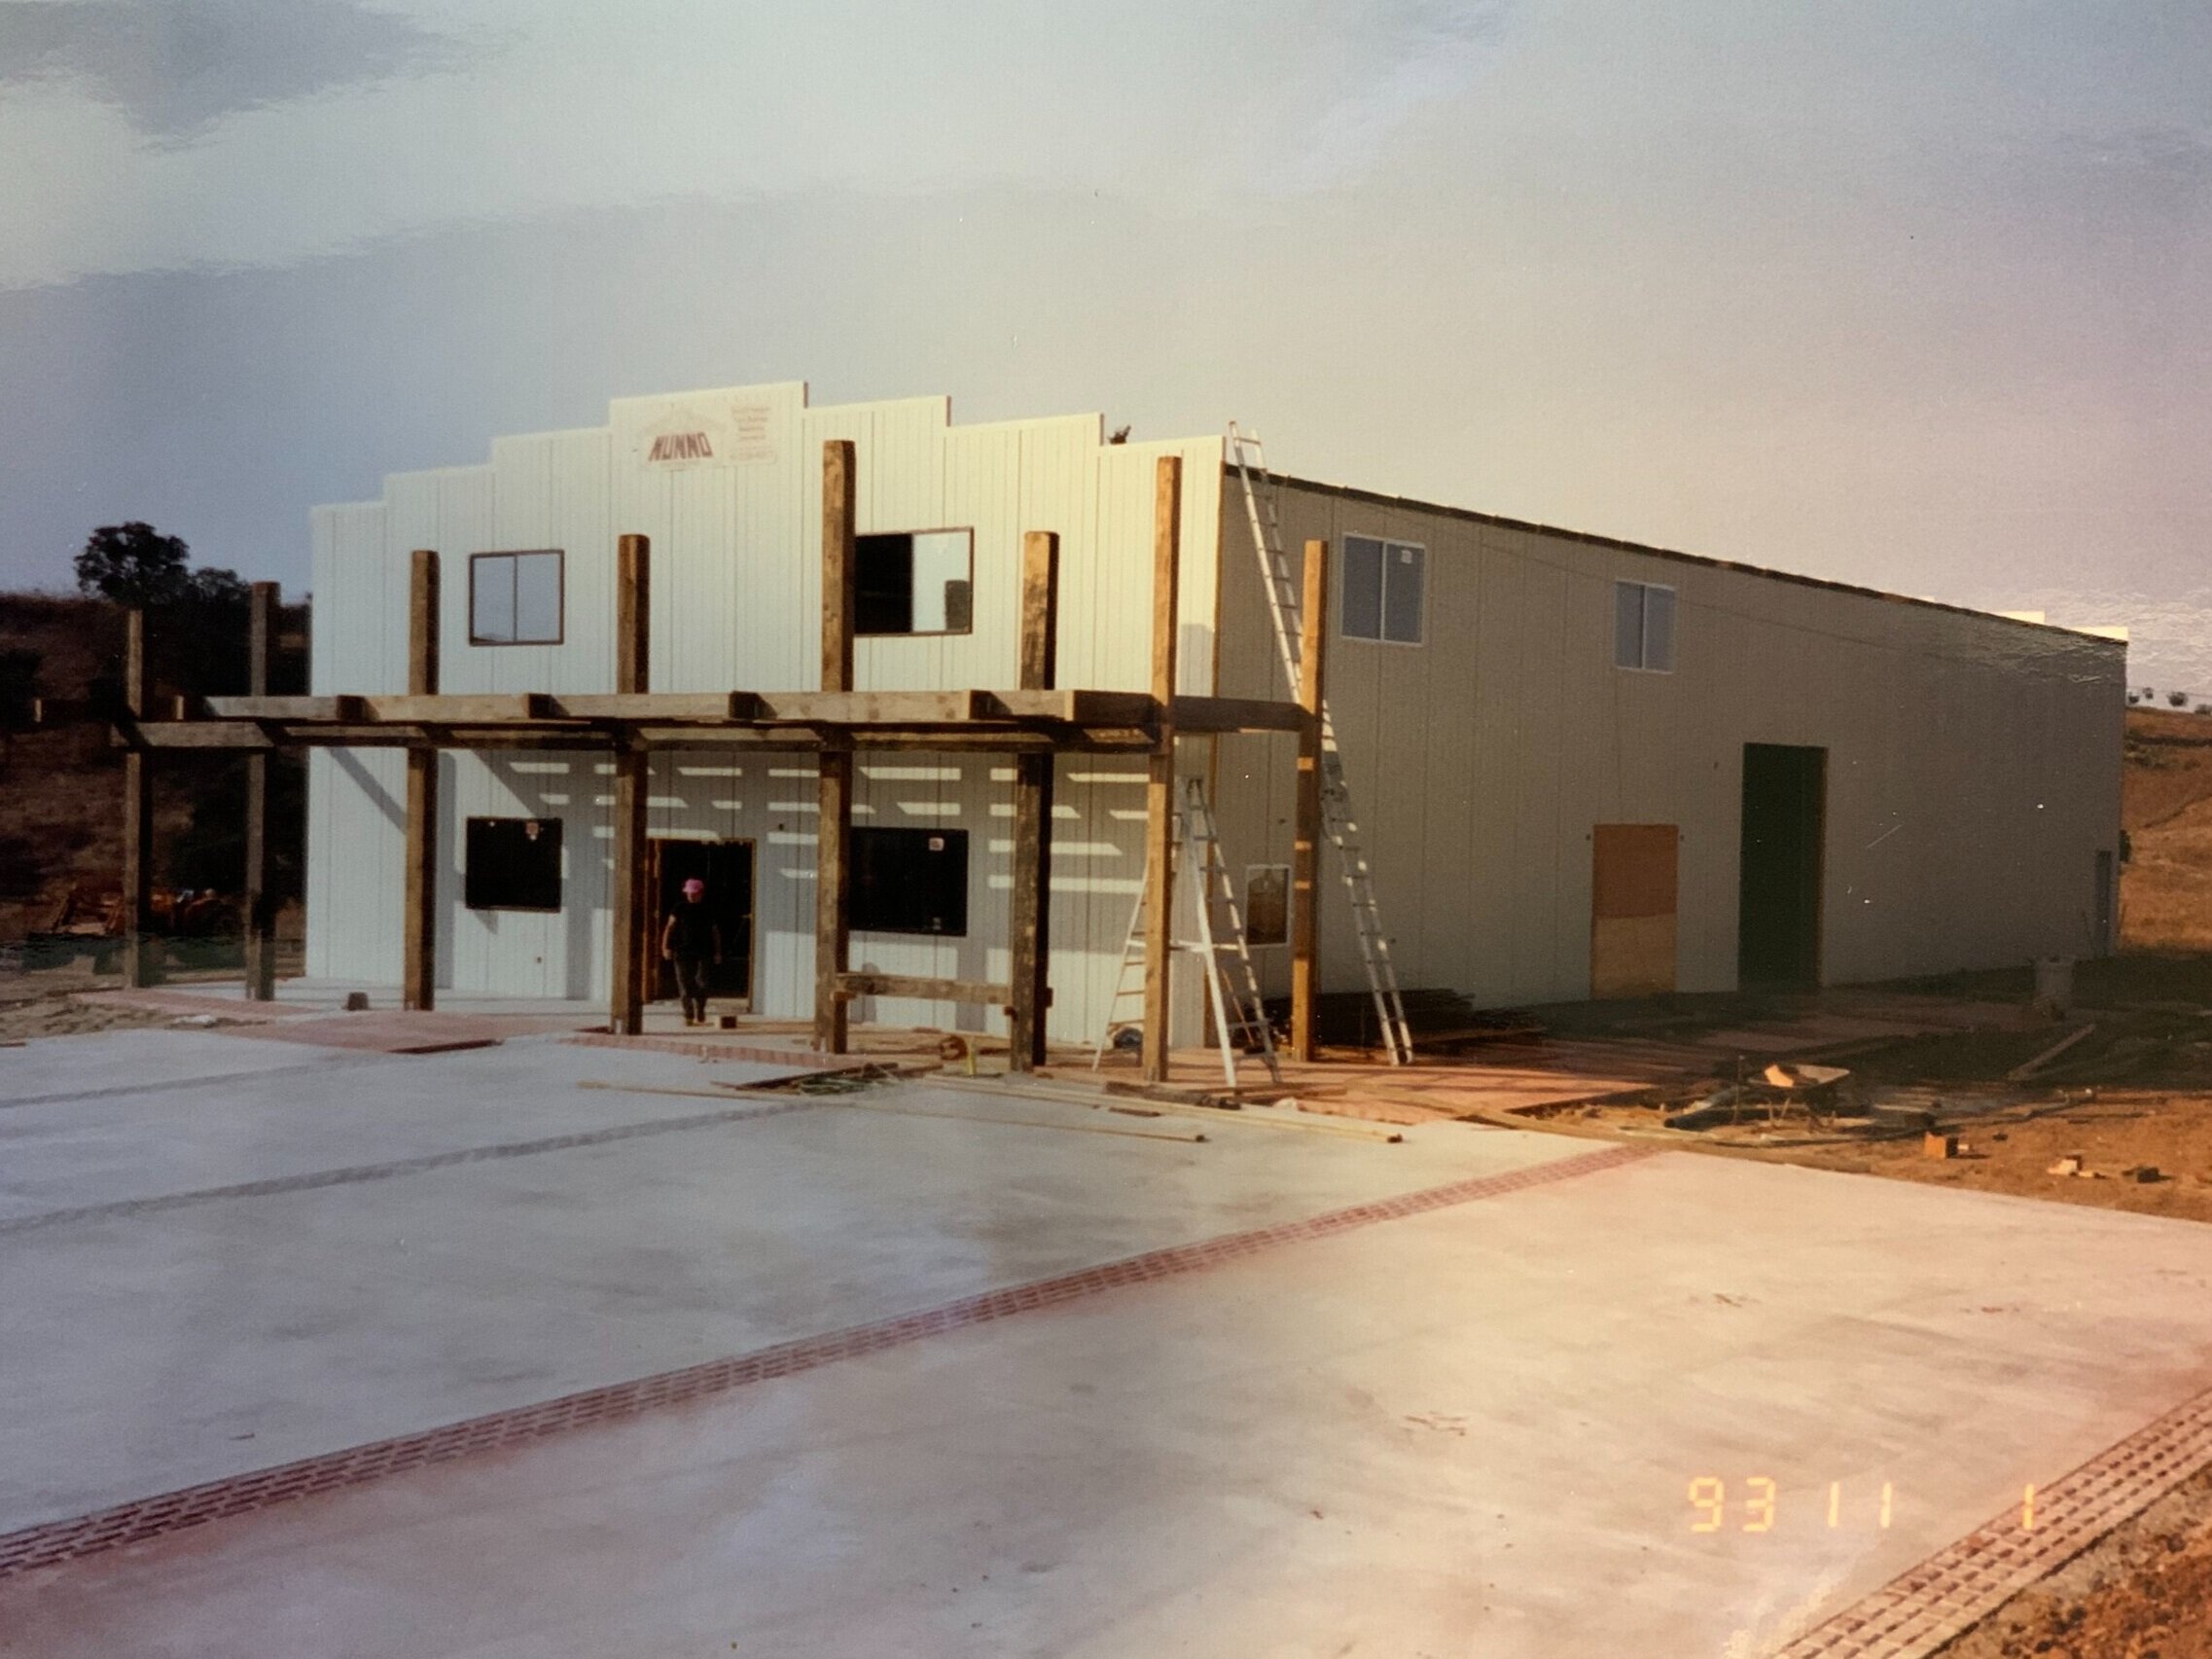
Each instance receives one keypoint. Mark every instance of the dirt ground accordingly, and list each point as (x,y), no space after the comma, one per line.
(2144,1591)
(2165,889)
(45,1011)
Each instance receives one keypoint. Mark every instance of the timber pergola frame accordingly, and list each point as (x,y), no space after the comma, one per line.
(1031,722)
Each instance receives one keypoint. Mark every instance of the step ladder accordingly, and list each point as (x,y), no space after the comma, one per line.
(1338,825)
(1240,1021)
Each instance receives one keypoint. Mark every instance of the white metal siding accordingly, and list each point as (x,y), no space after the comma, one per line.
(735,603)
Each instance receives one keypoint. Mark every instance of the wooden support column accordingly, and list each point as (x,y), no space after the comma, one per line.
(631,944)
(833,826)
(1159,782)
(1305,835)
(260,910)
(1030,922)
(418,968)
(141,954)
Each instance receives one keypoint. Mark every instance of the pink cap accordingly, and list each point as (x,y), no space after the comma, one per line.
(694,886)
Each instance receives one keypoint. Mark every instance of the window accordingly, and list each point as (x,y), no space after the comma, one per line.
(913,582)
(1382,590)
(910,880)
(515,599)
(512,864)
(1643,627)
(1267,904)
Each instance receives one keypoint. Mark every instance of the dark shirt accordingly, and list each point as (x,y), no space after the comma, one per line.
(693,935)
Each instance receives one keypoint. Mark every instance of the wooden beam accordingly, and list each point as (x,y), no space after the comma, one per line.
(852,985)
(833,825)
(672,707)
(1030,914)
(193,735)
(418,965)
(286,708)
(1214,714)
(483,708)
(1305,832)
(631,943)
(141,953)
(260,905)
(1159,774)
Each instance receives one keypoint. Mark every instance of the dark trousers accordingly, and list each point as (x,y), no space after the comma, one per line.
(691,986)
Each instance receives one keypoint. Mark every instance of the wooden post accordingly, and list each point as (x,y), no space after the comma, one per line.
(140,952)
(1030,922)
(261,912)
(419,967)
(833,827)
(1159,781)
(1305,835)
(631,945)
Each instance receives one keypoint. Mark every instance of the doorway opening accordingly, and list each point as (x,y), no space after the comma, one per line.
(727,869)
(1785,810)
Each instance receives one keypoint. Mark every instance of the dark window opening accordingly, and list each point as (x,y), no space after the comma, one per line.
(515,599)
(512,864)
(910,880)
(917,582)
(1383,581)
(1643,627)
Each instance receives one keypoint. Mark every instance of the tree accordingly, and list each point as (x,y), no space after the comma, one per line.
(133,564)
(2179,699)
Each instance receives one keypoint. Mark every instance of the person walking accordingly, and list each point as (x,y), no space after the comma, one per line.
(691,940)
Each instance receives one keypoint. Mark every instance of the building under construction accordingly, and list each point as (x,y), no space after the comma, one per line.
(607,660)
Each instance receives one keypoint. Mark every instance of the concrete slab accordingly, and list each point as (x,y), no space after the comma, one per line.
(209,1124)
(100,1063)
(171,1329)
(1468,1431)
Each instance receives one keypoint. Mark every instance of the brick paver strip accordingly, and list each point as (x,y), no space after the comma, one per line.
(143,1519)
(1920,1609)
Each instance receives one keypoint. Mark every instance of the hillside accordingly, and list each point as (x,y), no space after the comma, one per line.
(2165,889)
(61,791)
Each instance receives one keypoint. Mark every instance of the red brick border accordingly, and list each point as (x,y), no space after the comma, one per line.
(1921,1609)
(143,1518)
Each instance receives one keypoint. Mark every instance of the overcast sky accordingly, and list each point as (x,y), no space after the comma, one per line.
(1912,294)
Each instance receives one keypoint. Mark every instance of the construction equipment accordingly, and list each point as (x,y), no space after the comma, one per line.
(1240,1022)
(1338,825)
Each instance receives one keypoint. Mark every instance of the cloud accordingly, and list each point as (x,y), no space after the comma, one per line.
(1432,54)
(175,68)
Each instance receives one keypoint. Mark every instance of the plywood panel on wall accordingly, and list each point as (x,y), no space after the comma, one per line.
(1632,908)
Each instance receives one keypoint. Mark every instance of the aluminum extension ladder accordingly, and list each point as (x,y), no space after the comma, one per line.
(1241,1019)
(1338,822)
